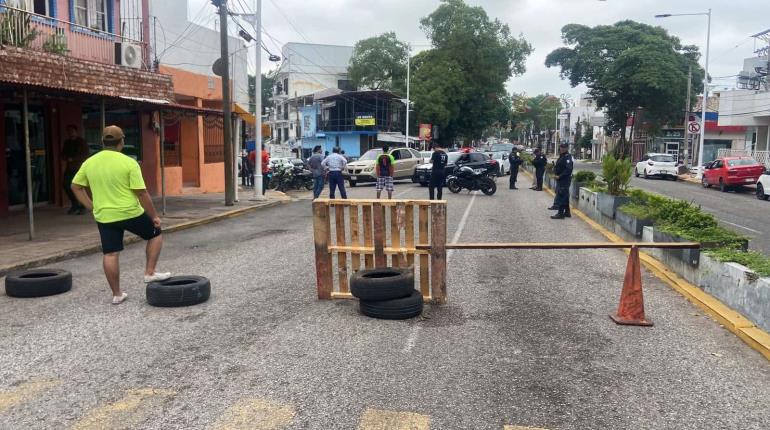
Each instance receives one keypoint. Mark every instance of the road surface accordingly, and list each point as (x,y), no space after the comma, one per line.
(525,340)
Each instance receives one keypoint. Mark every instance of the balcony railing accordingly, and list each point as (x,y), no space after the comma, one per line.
(761,156)
(43,33)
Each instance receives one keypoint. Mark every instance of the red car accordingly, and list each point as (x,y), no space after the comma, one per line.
(731,172)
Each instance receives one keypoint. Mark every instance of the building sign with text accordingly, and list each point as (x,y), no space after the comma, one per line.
(365,120)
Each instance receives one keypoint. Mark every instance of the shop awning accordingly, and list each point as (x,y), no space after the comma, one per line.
(245,115)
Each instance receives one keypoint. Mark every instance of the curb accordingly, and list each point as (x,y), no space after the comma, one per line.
(92,249)
(732,320)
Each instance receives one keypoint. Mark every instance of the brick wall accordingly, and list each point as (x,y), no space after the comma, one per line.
(21,66)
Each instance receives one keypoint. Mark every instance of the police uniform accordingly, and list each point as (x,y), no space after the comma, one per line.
(539,163)
(439,160)
(563,172)
(515,161)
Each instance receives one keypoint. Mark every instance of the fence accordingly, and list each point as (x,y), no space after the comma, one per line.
(761,156)
(24,29)
(379,233)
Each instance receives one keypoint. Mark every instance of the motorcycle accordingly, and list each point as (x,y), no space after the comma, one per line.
(290,177)
(472,180)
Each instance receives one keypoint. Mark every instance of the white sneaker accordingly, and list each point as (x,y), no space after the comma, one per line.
(157,276)
(116,300)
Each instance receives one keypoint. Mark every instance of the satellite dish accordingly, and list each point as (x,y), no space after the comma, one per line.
(219,67)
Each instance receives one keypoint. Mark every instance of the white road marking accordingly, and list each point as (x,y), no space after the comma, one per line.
(740,226)
(412,339)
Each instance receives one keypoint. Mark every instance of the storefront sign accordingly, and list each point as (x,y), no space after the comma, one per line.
(365,120)
(425,131)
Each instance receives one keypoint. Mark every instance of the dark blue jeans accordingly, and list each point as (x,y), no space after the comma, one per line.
(337,180)
(318,185)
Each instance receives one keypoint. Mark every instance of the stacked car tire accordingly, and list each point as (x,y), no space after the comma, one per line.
(386,293)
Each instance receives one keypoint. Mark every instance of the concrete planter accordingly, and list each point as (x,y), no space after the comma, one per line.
(608,204)
(587,201)
(631,224)
(689,256)
(574,190)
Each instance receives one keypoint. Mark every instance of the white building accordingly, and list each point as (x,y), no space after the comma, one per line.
(306,69)
(583,112)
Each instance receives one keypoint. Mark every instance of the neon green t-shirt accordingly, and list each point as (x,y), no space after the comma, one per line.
(384,163)
(112,178)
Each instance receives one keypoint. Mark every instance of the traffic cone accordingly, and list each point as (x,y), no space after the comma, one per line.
(631,307)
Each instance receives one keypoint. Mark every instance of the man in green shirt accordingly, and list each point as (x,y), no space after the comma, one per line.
(384,169)
(120,202)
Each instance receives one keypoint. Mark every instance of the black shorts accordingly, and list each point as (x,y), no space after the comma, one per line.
(112,232)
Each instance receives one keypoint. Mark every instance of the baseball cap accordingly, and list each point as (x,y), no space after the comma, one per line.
(112,133)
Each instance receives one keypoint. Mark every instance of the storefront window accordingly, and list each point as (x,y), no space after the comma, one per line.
(129,121)
(15,156)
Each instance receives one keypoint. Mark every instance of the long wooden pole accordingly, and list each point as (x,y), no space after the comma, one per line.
(577,245)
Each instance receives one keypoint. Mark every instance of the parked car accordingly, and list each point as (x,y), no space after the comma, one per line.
(502,147)
(425,156)
(407,160)
(660,165)
(475,160)
(763,186)
(730,172)
(504,166)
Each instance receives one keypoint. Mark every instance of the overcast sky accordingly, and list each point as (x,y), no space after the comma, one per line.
(343,22)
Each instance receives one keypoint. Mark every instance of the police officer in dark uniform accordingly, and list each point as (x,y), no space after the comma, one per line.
(515,161)
(539,163)
(563,172)
(439,160)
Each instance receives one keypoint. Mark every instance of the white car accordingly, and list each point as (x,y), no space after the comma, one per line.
(425,156)
(763,186)
(661,165)
(502,161)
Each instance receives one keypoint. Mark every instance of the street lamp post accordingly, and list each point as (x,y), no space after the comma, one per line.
(705,84)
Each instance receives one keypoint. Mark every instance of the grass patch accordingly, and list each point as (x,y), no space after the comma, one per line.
(754,260)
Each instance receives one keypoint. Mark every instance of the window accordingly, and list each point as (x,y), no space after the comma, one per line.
(91,13)
(478,157)
(663,158)
(39,7)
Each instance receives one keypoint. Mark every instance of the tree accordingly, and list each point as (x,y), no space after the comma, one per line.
(379,63)
(536,114)
(267,92)
(585,141)
(459,84)
(628,66)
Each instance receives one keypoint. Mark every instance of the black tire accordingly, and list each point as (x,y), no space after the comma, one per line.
(382,284)
(704,182)
(272,184)
(309,184)
(352,184)
(423,184)
(674,178)
(453,186)
(645,174)
(636,172)
(722,186)
(488,186)
(761,192)
(178,291)
(396,309)
(38,283)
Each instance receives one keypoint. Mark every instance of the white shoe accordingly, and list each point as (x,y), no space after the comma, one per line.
(157,276)
(116,300)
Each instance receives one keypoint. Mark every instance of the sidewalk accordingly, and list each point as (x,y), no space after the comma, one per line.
(59,236)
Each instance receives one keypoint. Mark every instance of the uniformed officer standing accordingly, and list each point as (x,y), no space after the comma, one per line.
(439,160)
(515,161)
(563,172)
(539,163)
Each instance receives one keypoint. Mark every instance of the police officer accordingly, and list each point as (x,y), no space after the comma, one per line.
(439,160)
(539,163)
(563,172)
(515,161)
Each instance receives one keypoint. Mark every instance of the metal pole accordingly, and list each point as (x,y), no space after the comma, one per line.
(238,137)
(103,112)
(227,121)
(705,99)
(687,113)
(162,122)
(28,160)
(408,77)
(258,105)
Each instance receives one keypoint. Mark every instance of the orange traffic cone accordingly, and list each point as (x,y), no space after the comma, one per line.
(631,307)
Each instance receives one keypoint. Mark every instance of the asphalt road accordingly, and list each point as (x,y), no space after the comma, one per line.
(524,340)
(738,210)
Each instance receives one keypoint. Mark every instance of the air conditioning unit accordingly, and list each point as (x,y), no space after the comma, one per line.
(128,54)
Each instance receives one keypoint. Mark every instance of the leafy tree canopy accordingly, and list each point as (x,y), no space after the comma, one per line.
(627,66)
(267,92)
(379,63)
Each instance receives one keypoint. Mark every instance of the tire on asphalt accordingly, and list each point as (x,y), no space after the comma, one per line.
(396,309)
(178,291)
(761,193)
(352,184)
(489,187)
(704,182)
(722,186)
(382,284)
(38,283)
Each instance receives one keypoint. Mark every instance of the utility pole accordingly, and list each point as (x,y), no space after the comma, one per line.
(408,66)
(687,114)
(227,122)
(258,105)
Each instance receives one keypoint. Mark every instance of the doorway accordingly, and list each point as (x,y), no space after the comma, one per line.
(16,159)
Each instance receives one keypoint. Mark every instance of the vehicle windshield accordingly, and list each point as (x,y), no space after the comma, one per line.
(662,158)
(742,162)
(502,147)
(370,155)
(453,156)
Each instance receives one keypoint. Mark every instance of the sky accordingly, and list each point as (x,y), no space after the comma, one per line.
(343,22)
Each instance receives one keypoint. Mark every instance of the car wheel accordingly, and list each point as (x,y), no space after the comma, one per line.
(645,174)
(674,178)
(501,171)
(396,309)
(722,186)
(178,291)
(423,184)
(352,184)
(636,172)
(382,284)
(761,192)
(38,283)
(704,182)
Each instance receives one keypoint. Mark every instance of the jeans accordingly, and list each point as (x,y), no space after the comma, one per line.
(436,184)
(67,184)
(336,180)
(318,185)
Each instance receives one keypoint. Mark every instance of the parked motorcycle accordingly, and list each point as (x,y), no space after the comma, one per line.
(288,178)
(471,180)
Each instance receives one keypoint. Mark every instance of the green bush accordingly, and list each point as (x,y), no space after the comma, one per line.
(754,260)
(617,174)
(584,176)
